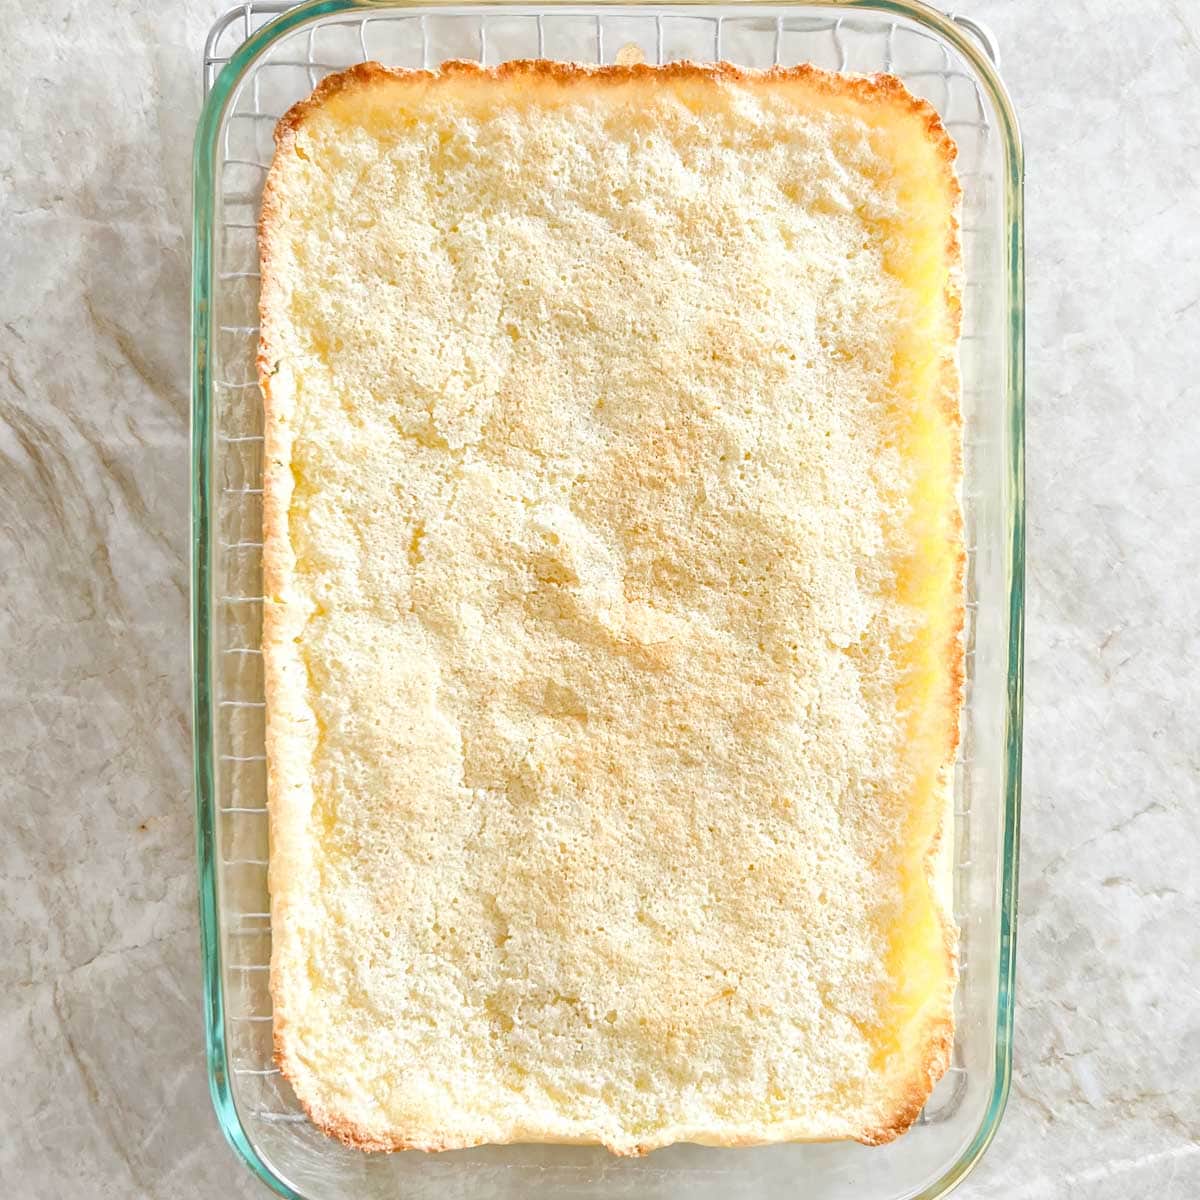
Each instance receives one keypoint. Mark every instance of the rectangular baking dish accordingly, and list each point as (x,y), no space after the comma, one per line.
(260,58)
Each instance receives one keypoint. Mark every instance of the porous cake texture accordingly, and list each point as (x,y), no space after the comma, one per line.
(613,572)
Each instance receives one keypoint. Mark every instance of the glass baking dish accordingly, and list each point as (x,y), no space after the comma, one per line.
(260,58)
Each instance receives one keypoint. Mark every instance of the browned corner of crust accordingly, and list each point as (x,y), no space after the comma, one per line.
(358,76)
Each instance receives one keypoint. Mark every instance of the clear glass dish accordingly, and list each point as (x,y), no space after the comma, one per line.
(256,67)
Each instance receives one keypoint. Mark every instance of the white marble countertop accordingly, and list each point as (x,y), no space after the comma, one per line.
(101,1061)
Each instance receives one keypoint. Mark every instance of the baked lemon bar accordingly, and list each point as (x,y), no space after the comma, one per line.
(614,597)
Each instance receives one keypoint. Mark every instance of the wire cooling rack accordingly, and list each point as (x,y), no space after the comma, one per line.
(413,37)
(235,27)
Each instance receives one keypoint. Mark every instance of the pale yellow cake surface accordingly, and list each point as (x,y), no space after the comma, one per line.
(614,601)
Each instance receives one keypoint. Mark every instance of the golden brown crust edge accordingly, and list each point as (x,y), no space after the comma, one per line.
(876,88)
(286,855)
(879,88)
(913,1093)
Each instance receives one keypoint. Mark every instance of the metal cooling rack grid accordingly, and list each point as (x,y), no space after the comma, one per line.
(414,38)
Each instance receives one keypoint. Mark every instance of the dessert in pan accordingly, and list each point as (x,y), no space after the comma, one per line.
(613,560)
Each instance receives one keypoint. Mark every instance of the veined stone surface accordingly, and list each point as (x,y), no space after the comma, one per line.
(101,1047)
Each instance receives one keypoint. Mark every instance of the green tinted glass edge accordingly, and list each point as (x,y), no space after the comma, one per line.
(203,195)
(204,162)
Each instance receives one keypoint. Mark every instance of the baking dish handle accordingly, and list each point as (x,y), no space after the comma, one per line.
(981,33)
